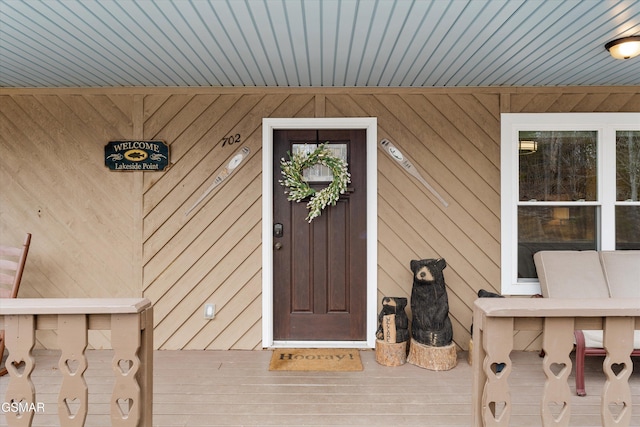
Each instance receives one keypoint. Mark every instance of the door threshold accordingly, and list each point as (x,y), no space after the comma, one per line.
(320,344)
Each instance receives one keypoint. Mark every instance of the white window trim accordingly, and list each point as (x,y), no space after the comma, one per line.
(511,123)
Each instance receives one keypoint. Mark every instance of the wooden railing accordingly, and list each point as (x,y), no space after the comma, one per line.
(495,320)
(131,324)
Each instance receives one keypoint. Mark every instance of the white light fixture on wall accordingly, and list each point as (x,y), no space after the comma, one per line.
(624,48)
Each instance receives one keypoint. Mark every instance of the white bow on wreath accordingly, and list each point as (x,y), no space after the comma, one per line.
(298,188)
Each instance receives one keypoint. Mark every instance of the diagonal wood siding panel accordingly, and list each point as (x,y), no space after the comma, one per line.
(442,141)
(193,259)
(53,183)
(596,101)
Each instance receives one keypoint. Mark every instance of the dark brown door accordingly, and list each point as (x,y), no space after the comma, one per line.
(320,280)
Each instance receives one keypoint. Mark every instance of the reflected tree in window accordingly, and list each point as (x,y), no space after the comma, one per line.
(562,168)
(555,166)
(627,189)
(627,165)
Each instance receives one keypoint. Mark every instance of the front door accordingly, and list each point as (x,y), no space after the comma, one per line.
(319,271)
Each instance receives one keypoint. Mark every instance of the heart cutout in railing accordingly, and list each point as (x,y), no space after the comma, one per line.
(497,368)
(617,410)
(18,367)
(618,368)
(557,410)
(72,366)
(497,409)
(557,369)
(124,406)
(125,365)
(17,407)
(73,406)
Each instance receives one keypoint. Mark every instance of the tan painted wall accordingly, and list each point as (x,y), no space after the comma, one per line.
(104,233)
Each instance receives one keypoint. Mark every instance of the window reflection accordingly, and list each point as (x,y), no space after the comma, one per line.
(556,166)
(627,166)
(563,166)
(552,228)
(627,189)
(627,227)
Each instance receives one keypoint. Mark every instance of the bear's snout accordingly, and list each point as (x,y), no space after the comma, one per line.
(424,275)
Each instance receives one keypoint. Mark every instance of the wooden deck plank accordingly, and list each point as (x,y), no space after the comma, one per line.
(235,388)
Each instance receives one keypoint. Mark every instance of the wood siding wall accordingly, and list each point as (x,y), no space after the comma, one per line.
(100,233)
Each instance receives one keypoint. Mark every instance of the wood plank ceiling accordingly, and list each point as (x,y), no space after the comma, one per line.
(320,43)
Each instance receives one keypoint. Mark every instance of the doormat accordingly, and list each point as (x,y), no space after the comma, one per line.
(316,359)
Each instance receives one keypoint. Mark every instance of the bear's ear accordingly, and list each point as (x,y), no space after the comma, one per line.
(414,265)
(441,263)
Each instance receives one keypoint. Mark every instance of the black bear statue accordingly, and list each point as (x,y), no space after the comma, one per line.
(430,322)
(393,308)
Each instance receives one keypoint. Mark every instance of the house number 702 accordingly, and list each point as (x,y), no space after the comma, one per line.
(231,139)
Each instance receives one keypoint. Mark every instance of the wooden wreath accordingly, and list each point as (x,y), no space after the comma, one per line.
(298,189)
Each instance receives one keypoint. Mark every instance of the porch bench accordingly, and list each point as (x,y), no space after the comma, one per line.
(592,275)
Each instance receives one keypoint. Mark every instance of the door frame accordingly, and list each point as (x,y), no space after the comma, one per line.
(370,124)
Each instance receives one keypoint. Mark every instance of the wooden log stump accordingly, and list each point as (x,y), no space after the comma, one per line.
(391,354)
(433,358)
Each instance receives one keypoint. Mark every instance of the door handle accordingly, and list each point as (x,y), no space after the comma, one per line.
(277,246)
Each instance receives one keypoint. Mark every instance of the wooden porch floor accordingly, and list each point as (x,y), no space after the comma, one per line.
(235,388)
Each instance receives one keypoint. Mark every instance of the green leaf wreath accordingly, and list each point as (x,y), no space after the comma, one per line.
(298,188)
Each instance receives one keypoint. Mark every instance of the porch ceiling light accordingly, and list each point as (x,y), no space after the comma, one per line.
(624,48)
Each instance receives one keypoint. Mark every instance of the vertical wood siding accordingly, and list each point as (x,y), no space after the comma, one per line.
(55,185)
(102,233)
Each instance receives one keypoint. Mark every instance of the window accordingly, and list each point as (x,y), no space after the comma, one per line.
(318,172)
(570,181)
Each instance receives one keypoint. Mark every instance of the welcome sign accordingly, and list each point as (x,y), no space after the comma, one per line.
(136,155)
